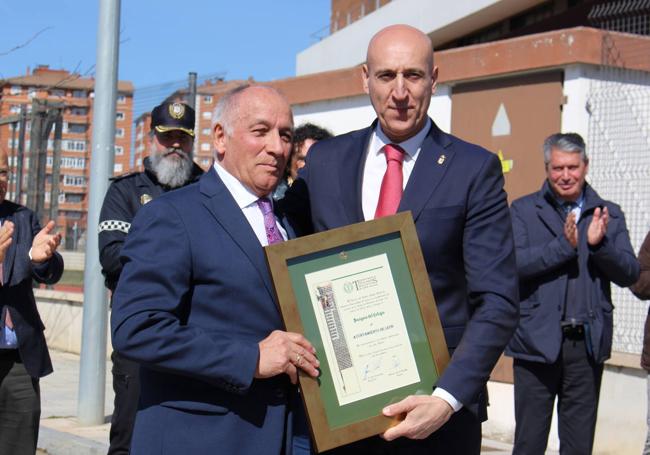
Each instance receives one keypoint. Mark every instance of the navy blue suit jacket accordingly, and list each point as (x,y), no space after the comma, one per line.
(16,291)
(544,257)
(193,301)
(455,194)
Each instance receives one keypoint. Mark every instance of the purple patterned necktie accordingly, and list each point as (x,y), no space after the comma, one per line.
(272,232)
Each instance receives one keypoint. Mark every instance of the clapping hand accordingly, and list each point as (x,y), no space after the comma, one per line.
(598,226)
(571,229)
(45,243)
(6,232)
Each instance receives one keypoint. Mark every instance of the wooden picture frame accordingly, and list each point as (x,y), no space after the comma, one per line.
(362,296)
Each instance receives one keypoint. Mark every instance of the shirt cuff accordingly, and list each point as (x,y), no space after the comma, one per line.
(448,397)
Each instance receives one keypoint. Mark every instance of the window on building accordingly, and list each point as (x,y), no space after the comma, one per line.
(119,150)
(57,92)
(62,198)
(207,99)
(119,115)
(76,110)
(207,115)
(49,161)
(73,146)
(47,196)
(15,90)
(77,128)
(14,109)
(206,131)
(119,132)
(121,99)
(32,92)
(70,162)
(205,147)
(205,161)
(73,198)
(138,162)
(78,93)
(74,180)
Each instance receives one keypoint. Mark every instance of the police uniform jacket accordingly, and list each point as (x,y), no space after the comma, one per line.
(126,194)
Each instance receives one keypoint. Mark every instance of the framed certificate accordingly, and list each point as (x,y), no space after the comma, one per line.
(361,295)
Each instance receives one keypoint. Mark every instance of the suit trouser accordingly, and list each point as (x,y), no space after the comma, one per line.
(575,379)
(20,406)
(461,435)
(126,384)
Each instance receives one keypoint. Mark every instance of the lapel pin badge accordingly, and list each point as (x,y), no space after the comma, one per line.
(145,198)
(442,159)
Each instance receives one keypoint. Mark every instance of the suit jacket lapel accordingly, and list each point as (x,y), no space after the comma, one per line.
(548,213)
(350,173)
(433,160)
(220,203)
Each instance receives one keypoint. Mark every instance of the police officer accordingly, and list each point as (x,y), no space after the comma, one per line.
(169,166)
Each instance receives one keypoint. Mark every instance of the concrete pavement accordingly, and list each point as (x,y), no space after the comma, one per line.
(61,434)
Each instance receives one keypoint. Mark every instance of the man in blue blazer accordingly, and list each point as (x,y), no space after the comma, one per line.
(454,191)
(570,244)
(195,303)
(27,253)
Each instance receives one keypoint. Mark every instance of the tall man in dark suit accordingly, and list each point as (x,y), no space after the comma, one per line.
(195,304)
(454,191)
(571,244)
(27,253)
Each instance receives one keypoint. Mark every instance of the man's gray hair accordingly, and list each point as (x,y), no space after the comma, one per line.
(223,111)
(565,142)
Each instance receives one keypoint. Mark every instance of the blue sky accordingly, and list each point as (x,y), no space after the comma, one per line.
(162,40)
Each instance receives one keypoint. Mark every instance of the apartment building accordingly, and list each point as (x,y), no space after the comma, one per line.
(75,94)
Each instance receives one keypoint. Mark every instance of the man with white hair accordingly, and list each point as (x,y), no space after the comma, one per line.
(195,305)
(169,166)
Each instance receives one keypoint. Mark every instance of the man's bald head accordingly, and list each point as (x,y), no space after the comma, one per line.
(400,78)
(399,33)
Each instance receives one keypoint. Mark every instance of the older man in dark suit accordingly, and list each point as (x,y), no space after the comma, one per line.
(571,245)
(195,304)
(454,191)
(27,253)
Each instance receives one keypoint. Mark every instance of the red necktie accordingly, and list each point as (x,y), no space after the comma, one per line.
(391,186)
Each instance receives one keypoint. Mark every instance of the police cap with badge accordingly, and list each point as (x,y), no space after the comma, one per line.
(173,116)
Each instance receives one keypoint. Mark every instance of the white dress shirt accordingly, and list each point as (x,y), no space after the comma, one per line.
(247,202)
(373,173)
(375,166)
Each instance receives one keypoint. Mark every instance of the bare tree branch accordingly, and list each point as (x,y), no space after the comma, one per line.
(26,43)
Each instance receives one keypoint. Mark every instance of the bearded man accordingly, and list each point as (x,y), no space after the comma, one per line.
(169,166)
